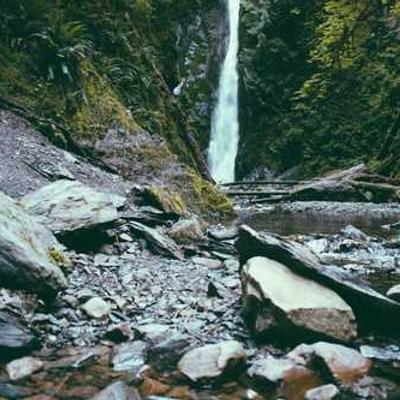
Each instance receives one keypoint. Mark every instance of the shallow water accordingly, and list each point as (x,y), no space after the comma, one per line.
(286,222)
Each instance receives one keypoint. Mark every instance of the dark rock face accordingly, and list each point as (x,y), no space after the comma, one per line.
(15,338)
(29,252)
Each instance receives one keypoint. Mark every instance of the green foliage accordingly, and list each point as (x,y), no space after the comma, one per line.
(326,88)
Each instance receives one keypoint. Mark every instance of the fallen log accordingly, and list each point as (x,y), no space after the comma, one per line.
(373,310)
(255,193)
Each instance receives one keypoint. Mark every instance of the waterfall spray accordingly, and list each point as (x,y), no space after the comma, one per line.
(224,141)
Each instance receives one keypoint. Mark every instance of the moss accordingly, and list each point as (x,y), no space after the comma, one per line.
(208,197)
(167,200)
(59,258)
(100,109)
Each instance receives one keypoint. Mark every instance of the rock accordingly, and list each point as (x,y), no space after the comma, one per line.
(394,293)
(270,369)
(166,354)
(155,333)
(129,357)
(391,353)
(186,231)
(125,237)
(97,308)
(224,234)
(158,243)
(118,391)
(353,233)
(23,367)
(345,364)
(212,361)
(279,301)
(326,392)
(67,206)
(370,307)
(15,338)
(207,262)
(29,253)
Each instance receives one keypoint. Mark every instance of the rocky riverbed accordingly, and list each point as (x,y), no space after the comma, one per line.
(104,296)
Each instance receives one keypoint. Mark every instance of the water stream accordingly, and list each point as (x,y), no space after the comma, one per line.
(224,141)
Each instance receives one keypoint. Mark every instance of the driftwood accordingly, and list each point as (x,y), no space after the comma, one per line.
(255,193)
(373,310)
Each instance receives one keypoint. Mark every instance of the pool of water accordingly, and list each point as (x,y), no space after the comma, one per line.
(307,220)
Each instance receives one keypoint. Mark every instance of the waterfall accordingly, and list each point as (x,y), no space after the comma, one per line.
(224,141)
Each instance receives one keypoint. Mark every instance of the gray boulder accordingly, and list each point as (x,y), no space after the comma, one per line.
(67,206)
(118,391)
(277,300)
(29,253)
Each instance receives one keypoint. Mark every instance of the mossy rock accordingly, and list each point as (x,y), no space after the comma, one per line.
(166,200)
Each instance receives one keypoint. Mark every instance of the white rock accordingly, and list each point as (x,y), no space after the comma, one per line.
(207,262)
(23,367)
(271,369)
(212,360)
(97,308)
(345,364)
(326,392)
(306,305)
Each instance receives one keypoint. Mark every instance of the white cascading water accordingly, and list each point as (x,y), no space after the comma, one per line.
(224,141)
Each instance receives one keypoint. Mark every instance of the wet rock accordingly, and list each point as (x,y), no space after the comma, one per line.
(211,361)
(29,253)
(97,308)
(186,231)
(67,206)
(370,307)
(118,391)
(15,338)
(394,293)
(129,357)
(207,262)
(279,301)
(158,243)
(326,392)
(23,367)
(345,364)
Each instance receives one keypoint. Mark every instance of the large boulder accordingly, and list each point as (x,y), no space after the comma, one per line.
(372,309)
(29,253)
(277,301)
(66,206)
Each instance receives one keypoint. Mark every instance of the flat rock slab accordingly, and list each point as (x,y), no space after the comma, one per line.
(158,242)
(372,309)
(130,356)
(29,252)
(280,301)
(212,360)
(67,206)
